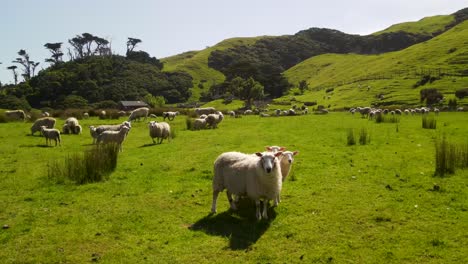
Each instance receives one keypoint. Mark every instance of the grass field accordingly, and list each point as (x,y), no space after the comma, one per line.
(373,203)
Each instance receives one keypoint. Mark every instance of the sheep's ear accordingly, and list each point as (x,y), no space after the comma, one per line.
(259,154)
(268,148)
(282,149)
(277,154)
(295,153)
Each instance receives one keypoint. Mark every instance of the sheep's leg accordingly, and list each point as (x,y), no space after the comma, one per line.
(154,142)
(257,210)
(277,200)
(215,198)
(265,209)
(231,202)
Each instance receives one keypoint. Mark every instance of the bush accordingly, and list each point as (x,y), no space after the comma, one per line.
(93,165)
(431,96)
(461,93)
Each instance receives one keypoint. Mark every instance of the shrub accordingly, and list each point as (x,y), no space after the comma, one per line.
(461,93)
(93,165)
(431,96)
(429,122)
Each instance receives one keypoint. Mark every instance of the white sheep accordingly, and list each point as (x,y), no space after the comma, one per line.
(152,116)
(212,120)
(232,113)
(205,111)
(78,130)
(139,113)
(170,115)
(275,149)
(102,114)
(51,134)
(72,122)
(49,122)
(15,115)
(85,115)
(45,114)
(160,131)
(286,161)
(199,123)
(113,136)
(258,177)
(96,131)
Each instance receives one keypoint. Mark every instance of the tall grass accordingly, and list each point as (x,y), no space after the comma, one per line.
(450,156)
(92,165)
(364,136)
(429,122)
(379,118)
(350,137)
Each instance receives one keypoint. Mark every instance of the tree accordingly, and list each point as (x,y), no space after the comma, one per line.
(131,44)
(303,85)
(29,65)
(251,90)
(15,74)
(56,50)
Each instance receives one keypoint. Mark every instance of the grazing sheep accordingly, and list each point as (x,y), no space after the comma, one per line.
(15,115)
(264,115)
(66,129)
(205,111)
(199,123)
(138,113)
(121,113)
(203,116)
(436,111)
(117,137)
(160,130)
(278,112)
(258,176)
(78,130)
(248,112)
(170,115)
(232,113)
(85,115)
(51,134)
(153,116)
(212,120)
(49,122)
(45,114)
(102,114)
(72,123)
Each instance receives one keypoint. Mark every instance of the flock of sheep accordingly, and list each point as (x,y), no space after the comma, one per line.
(371,112)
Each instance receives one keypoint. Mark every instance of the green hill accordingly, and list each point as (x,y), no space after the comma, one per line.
(389,78)
(425,26)
(196,64)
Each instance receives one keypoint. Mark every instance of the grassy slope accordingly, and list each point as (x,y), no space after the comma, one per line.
(425,26)
(365,204)
(348,73)
(196,63)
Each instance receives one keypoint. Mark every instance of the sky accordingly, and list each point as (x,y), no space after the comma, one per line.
(171,27)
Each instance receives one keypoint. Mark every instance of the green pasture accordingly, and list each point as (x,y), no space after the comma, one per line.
(373,203)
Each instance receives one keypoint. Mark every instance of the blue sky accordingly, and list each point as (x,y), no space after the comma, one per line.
(171,27)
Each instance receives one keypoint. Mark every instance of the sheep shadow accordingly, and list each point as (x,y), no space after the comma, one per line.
(35,146)
(149,145)
(241,226)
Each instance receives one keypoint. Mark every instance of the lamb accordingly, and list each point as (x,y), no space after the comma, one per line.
(113,136)
(159,130)
(15,115)
(138,113)
(205,111)
(49,122)
(170,115)
(51,134)
(259,177)
(212,120)
(199,123)
(286,161)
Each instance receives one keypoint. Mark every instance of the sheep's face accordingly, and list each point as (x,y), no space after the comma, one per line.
(288,156)
(268,160)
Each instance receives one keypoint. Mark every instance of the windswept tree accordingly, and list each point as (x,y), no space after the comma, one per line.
(131,44)
(15,73)
(77,43)
(88,45)
(28,64)
(56,50)
(102,46)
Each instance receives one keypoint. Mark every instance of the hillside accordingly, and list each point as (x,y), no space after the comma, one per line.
(426,26)
(363,79)
(196,64)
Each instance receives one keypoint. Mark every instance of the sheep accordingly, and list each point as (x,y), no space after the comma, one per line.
(199,123)
(96,131)
(66,129)
(258,176)
(212,120)
(278,112)
(203,116)
(45,114)
(15,115)
(170,115)
(121,113)
(436,111)
(205,111)
(138,113)
(85,115)
(102,114)
(232,113)
(51,134)
(152,116)
(286,160)
(159,130)
(264,115)
(117,137)
(72,123)
(275,149)
(248,112)
(49,122)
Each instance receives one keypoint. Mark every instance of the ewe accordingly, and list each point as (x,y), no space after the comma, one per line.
(113,136)
(139,113)
(160,131)
(258,176)
(49,122)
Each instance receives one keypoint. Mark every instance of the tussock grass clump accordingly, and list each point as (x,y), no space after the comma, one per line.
(350,137)
(429,122)
(364,136)
(189,123)
(92,165)
(387,119)
(450,156)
